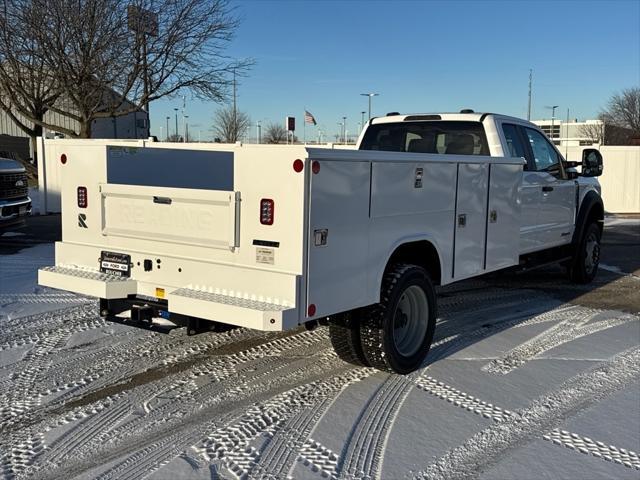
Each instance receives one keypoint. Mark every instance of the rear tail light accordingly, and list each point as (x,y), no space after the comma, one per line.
(82,197)
(267,208)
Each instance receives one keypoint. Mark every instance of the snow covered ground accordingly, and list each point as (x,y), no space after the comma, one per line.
(529,377)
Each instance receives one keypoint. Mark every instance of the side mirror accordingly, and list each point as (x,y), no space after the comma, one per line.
(591,163)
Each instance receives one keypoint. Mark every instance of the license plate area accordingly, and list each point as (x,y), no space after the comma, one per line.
(115,263)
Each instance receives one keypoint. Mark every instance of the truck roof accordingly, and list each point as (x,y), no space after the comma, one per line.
(453,116)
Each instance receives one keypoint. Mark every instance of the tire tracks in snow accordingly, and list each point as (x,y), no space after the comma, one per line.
(262,365)
(485,448)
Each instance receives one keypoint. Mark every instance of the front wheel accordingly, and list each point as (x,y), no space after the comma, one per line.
(396,333)
(587,257)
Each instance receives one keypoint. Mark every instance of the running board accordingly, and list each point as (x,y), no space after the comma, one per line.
(87,282)
(242,312)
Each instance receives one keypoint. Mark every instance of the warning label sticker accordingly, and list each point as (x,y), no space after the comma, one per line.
(265,255)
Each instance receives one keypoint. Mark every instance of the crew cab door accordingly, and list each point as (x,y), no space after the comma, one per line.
(530,193)
(556,213)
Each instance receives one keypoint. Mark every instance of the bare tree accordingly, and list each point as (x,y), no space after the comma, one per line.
(108,58)
(593,131)
(275,133)
(623,110)
(26,88)
(230,125)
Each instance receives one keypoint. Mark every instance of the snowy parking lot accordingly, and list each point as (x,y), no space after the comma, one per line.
(529,377)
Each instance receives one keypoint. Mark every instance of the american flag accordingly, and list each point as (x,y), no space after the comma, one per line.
(308,118)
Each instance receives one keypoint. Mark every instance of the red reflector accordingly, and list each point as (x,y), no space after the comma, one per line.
(315,167)
(311,311)
(63,158)
(82,197)
(298,165)
(267,208)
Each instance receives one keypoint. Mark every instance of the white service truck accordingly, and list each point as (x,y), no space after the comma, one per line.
(272,237)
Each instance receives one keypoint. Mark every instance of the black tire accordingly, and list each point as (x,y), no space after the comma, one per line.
(344,333)
(586,259)
(386,331)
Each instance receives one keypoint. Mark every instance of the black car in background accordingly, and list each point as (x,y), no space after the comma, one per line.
(15,204)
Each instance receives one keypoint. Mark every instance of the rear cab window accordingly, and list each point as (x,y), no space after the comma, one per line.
(440,137)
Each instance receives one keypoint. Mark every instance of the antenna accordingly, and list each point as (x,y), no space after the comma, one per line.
(529,108)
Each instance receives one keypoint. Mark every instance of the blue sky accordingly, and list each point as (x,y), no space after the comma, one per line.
(424,56)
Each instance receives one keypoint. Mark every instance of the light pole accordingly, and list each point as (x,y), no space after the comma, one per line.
(168,127)
(177,134)
(340,134)
(362,124)
(553,116)
(370,95)
(186,128)
(259,131)
(344,129)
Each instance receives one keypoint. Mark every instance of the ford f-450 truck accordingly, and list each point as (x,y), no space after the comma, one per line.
(271,237)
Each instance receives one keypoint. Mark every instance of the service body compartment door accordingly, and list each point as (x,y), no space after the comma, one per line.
(503,223)
(470,219)
(338,239)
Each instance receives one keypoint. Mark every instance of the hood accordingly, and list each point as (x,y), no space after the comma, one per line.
(10,165)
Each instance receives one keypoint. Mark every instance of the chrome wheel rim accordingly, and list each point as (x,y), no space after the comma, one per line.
(592,253)
(410,320)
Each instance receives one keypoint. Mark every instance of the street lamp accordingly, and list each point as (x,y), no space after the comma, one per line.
(168,127)
(344,129)
(370,95)
(362,124)
(186,128)
(553,116)
(176,110)
(340,135)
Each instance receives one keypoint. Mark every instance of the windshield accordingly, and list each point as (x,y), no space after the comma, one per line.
(448,137)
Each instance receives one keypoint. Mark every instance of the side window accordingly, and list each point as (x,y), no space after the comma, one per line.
(544,154)
(514,143)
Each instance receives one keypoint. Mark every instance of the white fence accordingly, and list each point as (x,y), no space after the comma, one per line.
(620,180)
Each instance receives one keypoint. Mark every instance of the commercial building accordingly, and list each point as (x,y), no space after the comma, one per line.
(133,125)
(573,133)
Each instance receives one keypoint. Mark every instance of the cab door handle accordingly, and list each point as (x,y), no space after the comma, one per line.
(547,189)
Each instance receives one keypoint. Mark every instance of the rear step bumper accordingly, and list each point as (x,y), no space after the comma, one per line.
(242,312)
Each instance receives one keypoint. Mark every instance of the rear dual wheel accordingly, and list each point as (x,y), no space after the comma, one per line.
(395,334)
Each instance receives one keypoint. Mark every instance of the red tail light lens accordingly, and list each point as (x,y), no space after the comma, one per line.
(267,208)
(82,197)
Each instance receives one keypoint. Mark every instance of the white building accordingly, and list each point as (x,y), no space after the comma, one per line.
(573,133)
(132,125)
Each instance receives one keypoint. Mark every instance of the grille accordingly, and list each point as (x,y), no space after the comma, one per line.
(8,188)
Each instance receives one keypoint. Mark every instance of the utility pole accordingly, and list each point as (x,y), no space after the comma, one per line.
(529,107)
(566,137)
(553,116)
(235,115)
